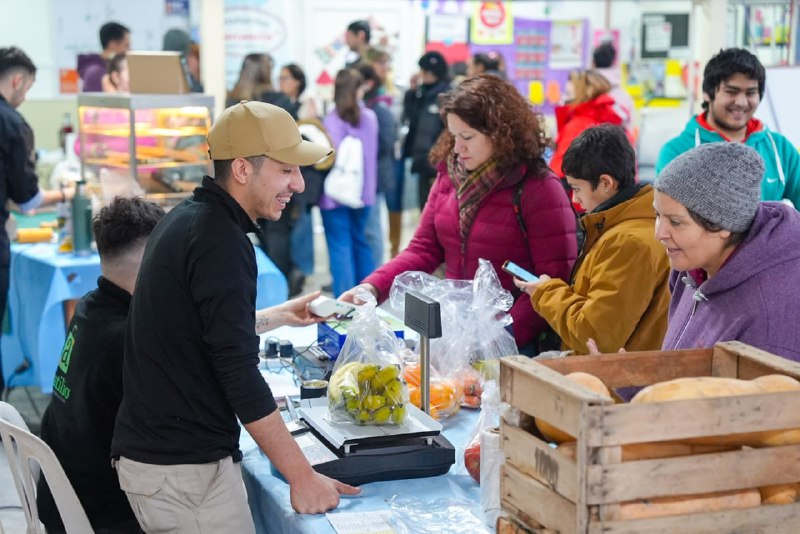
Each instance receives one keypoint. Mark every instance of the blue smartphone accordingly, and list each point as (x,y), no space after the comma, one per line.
(515,270)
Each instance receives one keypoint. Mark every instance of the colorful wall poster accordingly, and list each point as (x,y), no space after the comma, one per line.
(254,25)
(449,35)
(492,23)
(447,29)
(568,44)
(531,49)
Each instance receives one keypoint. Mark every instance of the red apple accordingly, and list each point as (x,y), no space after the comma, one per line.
(472,460)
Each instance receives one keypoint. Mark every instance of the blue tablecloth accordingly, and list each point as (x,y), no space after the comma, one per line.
(41,280)
(269,496)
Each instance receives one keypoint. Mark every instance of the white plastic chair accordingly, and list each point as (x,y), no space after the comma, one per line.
(26,451)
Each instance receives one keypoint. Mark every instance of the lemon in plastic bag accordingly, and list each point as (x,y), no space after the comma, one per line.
(367,385)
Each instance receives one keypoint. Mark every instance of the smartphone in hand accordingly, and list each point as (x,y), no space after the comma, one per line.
(515,270)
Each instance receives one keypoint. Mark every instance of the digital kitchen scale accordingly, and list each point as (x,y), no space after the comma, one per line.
(356,454)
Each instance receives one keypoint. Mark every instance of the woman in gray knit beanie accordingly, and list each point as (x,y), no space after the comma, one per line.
(735,260)
(716,186)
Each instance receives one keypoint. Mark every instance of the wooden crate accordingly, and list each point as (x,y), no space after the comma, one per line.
(544,488)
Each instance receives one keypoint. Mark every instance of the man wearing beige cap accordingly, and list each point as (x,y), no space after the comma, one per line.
(191,352)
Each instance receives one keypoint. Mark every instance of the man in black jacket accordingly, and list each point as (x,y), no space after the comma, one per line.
(87,388)
(18,180)
(421,110)
(191,353)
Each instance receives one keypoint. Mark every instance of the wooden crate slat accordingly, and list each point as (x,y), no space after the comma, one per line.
(700,473)
(618,369)
(750,369)
(776,519)
(588,422)
(755,362)
(604,456)
(544,393)
(584,495)
(681,419)
(536,458)
(724,363)
(521,492)
(522,521)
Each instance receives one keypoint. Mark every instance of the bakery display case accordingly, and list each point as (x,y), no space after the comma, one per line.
(144,144)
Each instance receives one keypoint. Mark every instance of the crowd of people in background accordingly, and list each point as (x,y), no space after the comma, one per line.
(695,258)
(409,123)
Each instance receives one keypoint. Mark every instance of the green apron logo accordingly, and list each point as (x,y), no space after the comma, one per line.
(66,353)
(60,388)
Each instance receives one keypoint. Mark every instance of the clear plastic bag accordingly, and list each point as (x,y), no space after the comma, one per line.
(367,386)
(474,320)
(414,515)
(468,457)
(445,393)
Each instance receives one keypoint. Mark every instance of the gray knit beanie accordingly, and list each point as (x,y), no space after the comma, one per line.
(721,182)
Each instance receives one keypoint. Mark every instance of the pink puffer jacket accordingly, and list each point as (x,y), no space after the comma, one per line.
(550,247)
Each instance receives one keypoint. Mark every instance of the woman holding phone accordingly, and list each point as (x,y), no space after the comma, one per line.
(493,198)
(618,293)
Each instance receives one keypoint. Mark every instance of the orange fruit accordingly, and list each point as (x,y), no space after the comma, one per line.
(414,396)
(411,375)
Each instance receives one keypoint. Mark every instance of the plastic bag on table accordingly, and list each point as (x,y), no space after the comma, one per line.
(474,320)
(482,336)
(366,386)
(445,393)
(414,515)
(468,456)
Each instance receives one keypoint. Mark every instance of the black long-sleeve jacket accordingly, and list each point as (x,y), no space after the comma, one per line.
(191,352)
(18,180)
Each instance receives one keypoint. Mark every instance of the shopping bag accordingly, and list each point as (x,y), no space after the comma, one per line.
(367,385)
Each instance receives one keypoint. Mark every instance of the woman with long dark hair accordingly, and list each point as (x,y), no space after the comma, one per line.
(350,255)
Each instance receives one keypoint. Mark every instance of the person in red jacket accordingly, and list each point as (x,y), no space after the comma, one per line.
(487,155)
(588,104)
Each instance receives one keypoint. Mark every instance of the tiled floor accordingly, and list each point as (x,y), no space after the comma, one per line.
(31,402)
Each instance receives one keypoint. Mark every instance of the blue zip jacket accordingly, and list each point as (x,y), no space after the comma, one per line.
(781,159)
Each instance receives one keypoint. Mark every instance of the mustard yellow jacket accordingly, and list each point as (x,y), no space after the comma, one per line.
(619,294)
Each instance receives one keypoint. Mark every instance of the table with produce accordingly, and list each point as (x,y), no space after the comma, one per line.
(376,384)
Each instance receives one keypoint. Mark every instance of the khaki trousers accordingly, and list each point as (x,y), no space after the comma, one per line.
(202,498)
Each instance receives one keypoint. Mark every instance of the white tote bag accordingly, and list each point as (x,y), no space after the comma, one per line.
(345,181)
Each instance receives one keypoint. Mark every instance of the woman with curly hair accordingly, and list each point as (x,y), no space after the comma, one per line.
(494,198)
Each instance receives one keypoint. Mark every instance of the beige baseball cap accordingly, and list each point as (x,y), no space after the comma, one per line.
(258,129)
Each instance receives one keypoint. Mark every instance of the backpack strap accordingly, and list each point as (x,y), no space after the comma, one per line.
(517,207)
(580,233)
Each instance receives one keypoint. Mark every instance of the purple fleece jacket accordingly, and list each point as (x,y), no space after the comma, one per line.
(755,296)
